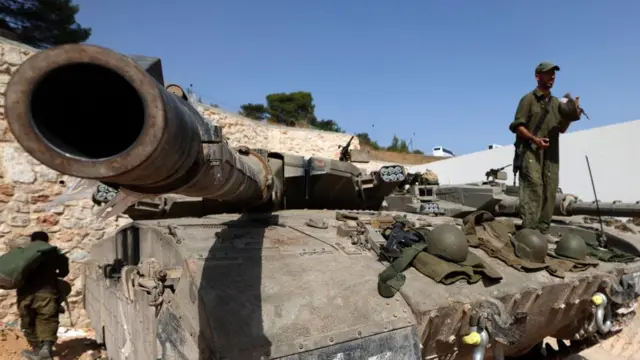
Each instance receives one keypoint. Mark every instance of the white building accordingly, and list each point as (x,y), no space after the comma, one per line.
(611,149)
(442,152)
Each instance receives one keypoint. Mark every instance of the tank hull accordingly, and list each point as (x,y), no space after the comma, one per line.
(270,286)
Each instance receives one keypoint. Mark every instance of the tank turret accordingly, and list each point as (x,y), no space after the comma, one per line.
(92,113)
(496,197)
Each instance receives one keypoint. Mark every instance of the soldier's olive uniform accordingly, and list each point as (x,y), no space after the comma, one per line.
(539,173)
(39,300)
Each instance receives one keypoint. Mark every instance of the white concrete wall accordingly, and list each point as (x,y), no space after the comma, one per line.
(613,151)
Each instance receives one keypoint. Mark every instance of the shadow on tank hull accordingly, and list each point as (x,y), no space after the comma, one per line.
(238,253)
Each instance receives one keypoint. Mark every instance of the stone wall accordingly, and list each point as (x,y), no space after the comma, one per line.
(26,185)
(308,142)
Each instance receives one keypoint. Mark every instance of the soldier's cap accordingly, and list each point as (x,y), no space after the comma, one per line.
(546,66)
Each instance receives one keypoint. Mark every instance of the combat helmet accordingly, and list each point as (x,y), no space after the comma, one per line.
(429,177)
(572,246)
(530,244)
(448,242)
(568,108)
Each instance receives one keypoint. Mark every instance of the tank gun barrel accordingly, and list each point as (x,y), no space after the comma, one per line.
(92,113)
(570,205)
(614,209)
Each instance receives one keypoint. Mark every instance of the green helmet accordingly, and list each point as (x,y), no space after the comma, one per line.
(568,108)
(531,245)
(572,246)
(448,242)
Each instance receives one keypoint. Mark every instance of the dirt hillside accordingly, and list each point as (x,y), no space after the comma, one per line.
(400,158)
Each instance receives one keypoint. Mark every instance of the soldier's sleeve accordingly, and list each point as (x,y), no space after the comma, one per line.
(63,265)
(522,113)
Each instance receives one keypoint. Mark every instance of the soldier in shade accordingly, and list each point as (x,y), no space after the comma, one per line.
(39,302)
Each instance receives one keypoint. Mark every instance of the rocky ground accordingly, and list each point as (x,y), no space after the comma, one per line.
(73,344)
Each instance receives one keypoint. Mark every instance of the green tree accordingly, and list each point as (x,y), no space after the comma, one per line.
(326,125)
(399,145)
(292,108)
(395,144)
(42,23)
(254,111)
(297,108)
(403,148)
(367,141)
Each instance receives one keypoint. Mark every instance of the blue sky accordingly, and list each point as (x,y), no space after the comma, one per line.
(431,72)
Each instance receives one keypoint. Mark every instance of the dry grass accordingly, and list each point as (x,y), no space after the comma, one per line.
(401,158)
(381,155)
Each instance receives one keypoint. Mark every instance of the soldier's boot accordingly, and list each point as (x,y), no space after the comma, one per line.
(46,351)
(31,353)
(43,352)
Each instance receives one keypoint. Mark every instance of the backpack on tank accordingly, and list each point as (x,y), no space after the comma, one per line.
(16,265)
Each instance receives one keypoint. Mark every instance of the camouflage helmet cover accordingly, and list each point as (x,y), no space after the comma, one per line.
(429,177)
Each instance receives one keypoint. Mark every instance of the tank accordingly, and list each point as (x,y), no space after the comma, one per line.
(240,253)
(492,195)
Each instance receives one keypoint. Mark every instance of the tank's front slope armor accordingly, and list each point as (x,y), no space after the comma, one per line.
(273,286)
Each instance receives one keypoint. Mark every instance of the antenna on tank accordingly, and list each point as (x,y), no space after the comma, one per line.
(602,239)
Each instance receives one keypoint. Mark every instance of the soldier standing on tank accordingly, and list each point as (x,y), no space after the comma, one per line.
(39,302)
(538,124)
